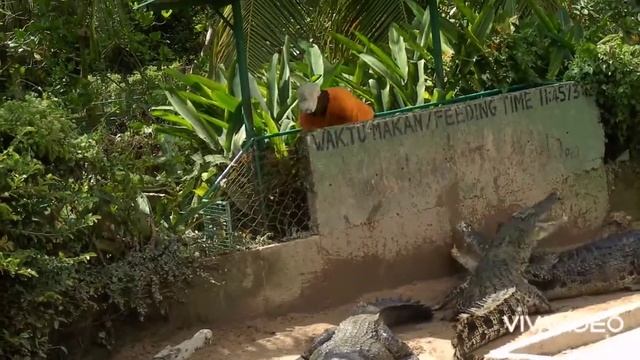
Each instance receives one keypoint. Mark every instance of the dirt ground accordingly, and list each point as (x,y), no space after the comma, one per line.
(285,337)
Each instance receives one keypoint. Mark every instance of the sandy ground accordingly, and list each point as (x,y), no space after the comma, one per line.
(285,337)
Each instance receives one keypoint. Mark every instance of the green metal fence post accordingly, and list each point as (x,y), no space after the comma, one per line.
(437,46)
(243,74)
(243,69)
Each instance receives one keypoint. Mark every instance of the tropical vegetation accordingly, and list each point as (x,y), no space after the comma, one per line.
(115,120)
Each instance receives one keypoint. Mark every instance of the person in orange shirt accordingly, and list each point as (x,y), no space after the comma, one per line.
(329,107)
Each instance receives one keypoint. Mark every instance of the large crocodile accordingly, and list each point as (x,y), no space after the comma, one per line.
(497,288)
(366,334)
(505,256)
(609,263)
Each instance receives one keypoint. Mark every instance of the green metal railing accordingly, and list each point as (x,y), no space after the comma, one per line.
(408,109)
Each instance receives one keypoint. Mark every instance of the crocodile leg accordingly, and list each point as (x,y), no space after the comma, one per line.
(396,347)
(464,259)
(536,302)
(540,264)
(317,342)
(451,295)
(473,239)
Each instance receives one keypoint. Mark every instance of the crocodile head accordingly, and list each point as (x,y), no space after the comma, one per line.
(540,209)
(527,227)
(534,220)
(544,228)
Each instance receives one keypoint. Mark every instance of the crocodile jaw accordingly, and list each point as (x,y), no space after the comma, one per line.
(543,229)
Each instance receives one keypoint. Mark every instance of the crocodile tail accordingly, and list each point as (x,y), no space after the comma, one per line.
(486,323)
(396,311)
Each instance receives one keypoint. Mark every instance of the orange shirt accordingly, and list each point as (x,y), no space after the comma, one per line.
(343,108)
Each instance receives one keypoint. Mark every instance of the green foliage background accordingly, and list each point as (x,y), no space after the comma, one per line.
(114,122)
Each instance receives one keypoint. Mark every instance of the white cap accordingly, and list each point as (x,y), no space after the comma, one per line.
(308,97)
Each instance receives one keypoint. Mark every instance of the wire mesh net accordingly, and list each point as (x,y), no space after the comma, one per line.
(262,199)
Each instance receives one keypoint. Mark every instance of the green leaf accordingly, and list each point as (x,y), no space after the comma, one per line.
(466,11)
(202,129)
(272,83)
(212,85)
(285,110)
(438,95)
(350,44)
(180,132)
(398,52)
(391,77)
(156,35)
(542,16)
(217,122)
(555,62)
(374,89)
(414,45)
(359,72)
(216,159)
(385,95)
(143,203)
(361,91)
(484,22)
(330,75)
(202,189)
(6,213)
(417,10)
(218,98)
(284,91)
(236,123)
(421,86)
(382,57)
(314,59)
(452,33)
(171,117)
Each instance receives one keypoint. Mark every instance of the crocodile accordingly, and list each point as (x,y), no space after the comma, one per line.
(505,258)
(497,288)
(475,243)
(610,262)
(366,335)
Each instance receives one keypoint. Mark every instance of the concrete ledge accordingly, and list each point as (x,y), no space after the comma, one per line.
(319,272)
(549,344)
(623,346)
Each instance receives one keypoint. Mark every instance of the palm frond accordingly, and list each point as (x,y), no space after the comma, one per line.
(267,22)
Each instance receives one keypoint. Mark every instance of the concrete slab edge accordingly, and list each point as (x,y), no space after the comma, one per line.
(629,313)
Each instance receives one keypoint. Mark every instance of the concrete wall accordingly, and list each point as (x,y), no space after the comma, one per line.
(469,159)
(386,195)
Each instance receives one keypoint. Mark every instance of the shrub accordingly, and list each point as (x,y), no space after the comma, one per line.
(609,70)
(77,239)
